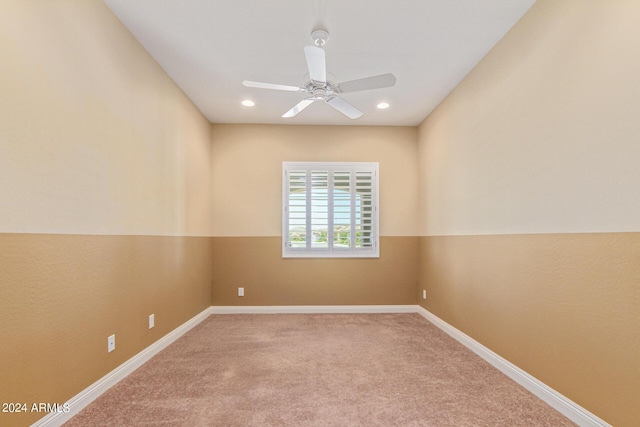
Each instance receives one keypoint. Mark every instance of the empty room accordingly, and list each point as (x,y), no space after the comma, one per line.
(320,212)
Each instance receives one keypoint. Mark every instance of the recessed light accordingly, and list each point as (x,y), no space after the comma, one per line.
(248,103)
(382,105)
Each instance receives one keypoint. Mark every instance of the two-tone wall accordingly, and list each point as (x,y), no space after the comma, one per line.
(247,223)
(530,203)
(516,204)
(105,201)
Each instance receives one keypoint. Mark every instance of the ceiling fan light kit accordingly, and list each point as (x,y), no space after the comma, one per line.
(319,88)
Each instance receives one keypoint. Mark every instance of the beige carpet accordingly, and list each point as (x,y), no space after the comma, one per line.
(317,370)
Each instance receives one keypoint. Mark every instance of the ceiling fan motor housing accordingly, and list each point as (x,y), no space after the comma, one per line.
(321,92)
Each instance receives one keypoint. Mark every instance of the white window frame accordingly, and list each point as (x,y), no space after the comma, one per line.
(330,252)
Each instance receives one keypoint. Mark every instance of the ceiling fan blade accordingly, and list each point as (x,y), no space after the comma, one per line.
(261,85)
(368,83)
(344,107)
(316,63)
(299,107)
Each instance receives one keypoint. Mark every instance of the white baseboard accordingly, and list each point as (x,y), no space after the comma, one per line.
(560,403)
(91,393)
(313,309)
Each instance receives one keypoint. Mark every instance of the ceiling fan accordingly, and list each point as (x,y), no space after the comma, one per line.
(319,88)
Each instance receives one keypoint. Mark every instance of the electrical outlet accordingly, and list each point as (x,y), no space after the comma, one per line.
(424,294)
(152,320)
(240,292)
(111,343)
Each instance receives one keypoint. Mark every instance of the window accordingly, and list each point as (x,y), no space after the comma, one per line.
(330,209)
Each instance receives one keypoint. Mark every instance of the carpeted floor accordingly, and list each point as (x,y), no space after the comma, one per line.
(317,370)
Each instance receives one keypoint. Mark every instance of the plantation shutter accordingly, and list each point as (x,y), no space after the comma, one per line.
(330,210)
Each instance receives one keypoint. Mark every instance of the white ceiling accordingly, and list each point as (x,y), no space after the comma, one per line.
(209,47)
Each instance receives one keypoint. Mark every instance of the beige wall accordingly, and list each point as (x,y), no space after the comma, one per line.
(530,204)
(104,192)
(256,264)
(247,172)
(247,218)
(95,137)
(542,136)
